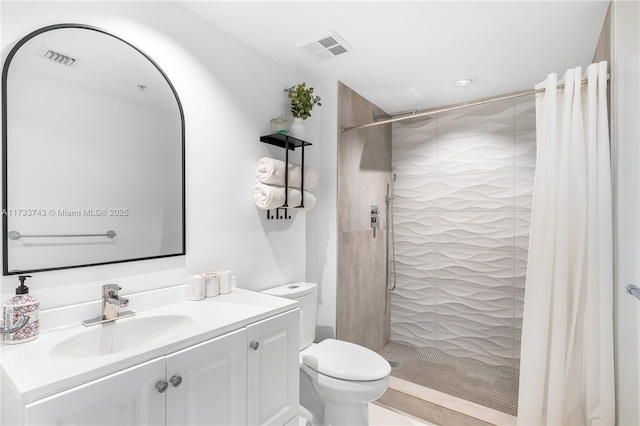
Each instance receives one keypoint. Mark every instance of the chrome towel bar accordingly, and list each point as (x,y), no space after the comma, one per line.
(15,235)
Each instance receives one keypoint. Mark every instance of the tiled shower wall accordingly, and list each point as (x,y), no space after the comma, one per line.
(364,171)
(462,214)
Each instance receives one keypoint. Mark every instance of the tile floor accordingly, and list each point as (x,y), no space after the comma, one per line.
(466,379)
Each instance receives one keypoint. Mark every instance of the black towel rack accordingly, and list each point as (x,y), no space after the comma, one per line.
(289,143)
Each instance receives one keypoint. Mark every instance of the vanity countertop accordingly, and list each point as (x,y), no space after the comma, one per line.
(32,372)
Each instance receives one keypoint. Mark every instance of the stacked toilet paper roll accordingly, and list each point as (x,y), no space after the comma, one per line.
(210,284)
(196,289)
(225,281)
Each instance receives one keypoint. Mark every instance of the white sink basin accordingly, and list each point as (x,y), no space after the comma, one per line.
(120,335)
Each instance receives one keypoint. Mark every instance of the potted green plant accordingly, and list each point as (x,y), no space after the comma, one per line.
(302,102)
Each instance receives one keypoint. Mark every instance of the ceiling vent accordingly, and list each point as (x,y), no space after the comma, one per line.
(58,58)
(327,47)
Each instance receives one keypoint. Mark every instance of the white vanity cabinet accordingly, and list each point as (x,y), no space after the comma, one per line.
(273,370)
(207,383)
(247,376)
(121,399)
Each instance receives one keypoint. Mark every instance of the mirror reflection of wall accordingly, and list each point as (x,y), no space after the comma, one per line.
(94,142)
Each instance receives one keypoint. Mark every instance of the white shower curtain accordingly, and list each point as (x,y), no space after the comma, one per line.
(566,369)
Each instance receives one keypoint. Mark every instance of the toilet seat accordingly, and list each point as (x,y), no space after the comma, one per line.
(345,361)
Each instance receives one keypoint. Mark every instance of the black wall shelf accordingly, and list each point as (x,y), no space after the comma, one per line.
(289,143)
(281,140)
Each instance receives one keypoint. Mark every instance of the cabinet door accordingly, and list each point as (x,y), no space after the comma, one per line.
(213,388)
(125,398)
(273,381)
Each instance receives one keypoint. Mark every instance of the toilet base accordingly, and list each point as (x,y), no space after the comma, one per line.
(336,415)
(310,402)
(333,402)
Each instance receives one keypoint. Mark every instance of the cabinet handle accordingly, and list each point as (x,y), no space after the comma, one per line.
(161,386)
(176,381)
(254,345)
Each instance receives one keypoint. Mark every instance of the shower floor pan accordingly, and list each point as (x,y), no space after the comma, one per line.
(470,380)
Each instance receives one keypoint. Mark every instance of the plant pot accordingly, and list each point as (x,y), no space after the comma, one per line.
(297,128)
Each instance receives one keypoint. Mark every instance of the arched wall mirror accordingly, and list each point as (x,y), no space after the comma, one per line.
(93,153)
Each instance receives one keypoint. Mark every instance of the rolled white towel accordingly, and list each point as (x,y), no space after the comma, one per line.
(269,197)
(271,172)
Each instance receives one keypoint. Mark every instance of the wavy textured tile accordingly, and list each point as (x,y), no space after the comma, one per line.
(488,269)
(420,130)
(477,306)
(522,229)
(408,164)
(520,270)
(518,309)
(415,194)
(481,200)
(414,159)
(414,297)
(419,331)
(484,344)
(476,230)
(414,227)
(524,190)
(477,154)
(525,112)
(517,347)
(412,335)
(525,150)
(415,262)
(482,119)
(476,192)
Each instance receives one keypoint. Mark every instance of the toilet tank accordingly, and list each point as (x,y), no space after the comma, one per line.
(306,296)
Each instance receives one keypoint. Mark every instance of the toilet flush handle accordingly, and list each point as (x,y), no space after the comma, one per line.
(254,345)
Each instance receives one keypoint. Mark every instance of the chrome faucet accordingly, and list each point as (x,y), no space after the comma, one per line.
(111,304)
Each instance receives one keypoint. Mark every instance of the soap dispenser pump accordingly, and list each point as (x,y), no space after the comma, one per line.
(21,305)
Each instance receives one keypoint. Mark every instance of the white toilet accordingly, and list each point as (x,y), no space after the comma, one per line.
(337,379)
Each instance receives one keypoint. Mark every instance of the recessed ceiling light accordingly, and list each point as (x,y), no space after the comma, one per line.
(462,82)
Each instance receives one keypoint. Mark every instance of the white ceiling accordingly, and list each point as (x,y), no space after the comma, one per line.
(407,53)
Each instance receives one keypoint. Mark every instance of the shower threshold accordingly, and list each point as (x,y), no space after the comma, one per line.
(469,380)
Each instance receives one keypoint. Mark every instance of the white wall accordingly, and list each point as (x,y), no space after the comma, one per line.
(229,93)
(322,244)
(625,104)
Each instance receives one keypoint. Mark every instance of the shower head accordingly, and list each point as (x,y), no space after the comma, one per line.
(414,120)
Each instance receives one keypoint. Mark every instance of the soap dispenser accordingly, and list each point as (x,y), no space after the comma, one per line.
(21,305)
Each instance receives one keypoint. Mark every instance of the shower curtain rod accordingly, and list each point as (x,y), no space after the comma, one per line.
(422,113)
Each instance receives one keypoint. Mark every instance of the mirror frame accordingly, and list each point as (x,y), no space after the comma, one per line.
(5,70)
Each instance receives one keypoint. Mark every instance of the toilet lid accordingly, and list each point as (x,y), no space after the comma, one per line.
(346,361)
